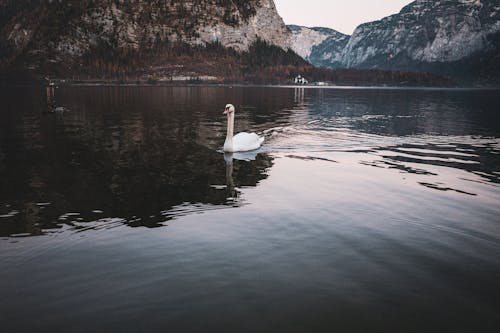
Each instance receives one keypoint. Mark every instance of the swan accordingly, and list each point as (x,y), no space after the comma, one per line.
(241,141)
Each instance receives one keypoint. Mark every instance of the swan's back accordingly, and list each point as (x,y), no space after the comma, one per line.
(247,141)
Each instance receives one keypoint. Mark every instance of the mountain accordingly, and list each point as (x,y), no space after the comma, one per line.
(71,28)
(322,47)
(460,38)
(165,41)
(74,34)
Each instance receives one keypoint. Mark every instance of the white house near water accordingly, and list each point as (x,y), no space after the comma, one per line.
(301,80)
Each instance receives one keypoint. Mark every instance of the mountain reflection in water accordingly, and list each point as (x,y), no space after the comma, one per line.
(141,156)
(365,210)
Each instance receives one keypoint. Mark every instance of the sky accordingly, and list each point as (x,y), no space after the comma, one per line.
(341,15)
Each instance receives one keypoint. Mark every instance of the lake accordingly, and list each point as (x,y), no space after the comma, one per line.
(365,210)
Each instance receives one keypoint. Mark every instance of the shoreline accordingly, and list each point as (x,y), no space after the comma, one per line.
(63,83)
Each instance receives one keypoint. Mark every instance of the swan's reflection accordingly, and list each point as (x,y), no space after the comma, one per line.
(231,192)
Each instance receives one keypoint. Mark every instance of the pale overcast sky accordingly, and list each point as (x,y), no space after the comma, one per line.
(341,15)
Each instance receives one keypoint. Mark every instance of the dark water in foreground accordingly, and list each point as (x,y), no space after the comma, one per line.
(365,210)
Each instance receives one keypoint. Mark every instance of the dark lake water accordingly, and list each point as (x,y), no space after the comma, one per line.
(365,210)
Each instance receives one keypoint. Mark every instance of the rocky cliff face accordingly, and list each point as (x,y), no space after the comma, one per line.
(322,47)
(425,31)
(60,31)
(263,23)
(444,36)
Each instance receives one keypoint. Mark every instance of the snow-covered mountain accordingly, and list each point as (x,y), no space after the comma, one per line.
(455,37)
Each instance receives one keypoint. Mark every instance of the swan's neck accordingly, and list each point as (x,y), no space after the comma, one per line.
(230,127)
(228,145)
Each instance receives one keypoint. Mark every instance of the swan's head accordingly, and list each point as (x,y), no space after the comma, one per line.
(229,109)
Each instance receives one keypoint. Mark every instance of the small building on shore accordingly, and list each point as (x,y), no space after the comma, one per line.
(300,80)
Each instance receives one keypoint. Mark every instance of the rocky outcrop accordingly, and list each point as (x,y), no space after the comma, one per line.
(265,24)
(61,31)
(322,47)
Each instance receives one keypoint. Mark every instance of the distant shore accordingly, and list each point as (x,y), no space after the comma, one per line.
(197,83)
(270,75)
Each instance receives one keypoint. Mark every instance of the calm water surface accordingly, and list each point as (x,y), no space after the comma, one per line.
(365,210)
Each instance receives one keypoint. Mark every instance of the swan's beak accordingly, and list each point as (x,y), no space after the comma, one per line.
(226,111)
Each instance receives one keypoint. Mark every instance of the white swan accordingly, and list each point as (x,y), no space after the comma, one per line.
(241,141)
